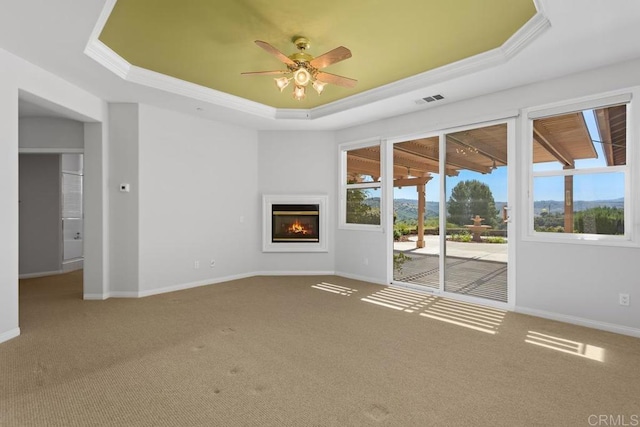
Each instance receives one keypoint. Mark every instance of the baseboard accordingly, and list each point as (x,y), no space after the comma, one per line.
(6,336)
(68,266)
(609,327)
(181,287)
(205,282)
(40,274)
(123,294)
(294,273)
(95,297)
(361,278)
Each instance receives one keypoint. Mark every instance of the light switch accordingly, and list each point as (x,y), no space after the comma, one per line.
(124,188)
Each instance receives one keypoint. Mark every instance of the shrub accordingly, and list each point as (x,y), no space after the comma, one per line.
(494,239)
(398,261)
(600,220)
(463,236)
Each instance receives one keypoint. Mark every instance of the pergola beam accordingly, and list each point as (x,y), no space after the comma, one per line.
(549,143)
(604,128)
(414,162)
(411,182)
(491,154)
(500,156)
(358,166)
(452,164)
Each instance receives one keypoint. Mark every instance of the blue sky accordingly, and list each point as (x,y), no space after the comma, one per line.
(586,187)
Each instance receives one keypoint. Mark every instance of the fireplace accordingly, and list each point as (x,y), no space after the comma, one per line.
(295,223)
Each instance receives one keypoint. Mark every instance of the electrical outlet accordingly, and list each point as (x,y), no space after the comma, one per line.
(623,299)
(365,261)
(212,263)
(196,264)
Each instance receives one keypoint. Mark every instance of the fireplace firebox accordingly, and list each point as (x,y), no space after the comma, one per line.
(298,223)
(295,223)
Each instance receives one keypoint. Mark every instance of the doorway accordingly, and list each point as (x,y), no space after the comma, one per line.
(50,214)
(451,213)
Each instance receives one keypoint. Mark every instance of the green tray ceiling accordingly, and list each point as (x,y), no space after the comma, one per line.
(211,42)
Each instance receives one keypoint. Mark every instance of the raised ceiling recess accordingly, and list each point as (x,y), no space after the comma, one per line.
(211,43)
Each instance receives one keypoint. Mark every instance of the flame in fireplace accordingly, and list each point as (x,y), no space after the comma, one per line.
(297,228)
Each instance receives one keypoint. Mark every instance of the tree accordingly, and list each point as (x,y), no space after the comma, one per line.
(471,198)
(358,211)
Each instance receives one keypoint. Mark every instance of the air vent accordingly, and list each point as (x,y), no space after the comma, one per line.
(431,98)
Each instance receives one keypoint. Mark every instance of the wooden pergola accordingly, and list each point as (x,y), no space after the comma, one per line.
(562,139)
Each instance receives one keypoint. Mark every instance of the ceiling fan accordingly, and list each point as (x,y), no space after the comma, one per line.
(304,68)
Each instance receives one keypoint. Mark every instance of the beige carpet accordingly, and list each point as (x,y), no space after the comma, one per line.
(303,351)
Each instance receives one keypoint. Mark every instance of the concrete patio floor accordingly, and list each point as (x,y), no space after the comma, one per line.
(484,251)
(475,269)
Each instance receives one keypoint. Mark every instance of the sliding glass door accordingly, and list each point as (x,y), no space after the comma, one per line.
(416,196)
(476,244)
(451,212)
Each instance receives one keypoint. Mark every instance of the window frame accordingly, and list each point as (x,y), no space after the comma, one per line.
(344,186)
(631,210)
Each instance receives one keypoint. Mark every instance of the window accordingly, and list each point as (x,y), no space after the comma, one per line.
(580,173)
(361,186)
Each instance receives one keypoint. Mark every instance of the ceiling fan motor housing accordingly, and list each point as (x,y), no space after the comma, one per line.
(302,43)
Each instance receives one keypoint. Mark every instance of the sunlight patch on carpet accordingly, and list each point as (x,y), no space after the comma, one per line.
(329,287)
(400,299)
(472,316)
(566,346)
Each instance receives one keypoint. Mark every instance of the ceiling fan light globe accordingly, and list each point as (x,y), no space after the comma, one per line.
(282,82)
(299,93)
(319,86)
(302,77)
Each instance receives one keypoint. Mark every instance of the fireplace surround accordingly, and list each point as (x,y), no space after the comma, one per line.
(294,223)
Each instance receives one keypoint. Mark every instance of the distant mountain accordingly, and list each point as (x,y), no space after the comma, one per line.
(407,209)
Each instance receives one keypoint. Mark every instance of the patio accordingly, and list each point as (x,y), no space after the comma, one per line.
(474,269)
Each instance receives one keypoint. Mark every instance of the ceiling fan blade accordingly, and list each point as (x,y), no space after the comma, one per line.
(336,55)
(264,73)
(275,52)
(336,80)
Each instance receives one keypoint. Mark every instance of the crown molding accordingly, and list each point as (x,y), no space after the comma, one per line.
(102,54)
(105,56)
(518,41)
(176,86)
(535,26)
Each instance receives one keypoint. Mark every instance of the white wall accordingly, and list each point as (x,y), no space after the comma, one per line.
(298,163)
(197,179)
(16,75)
(577,283)
(96,205)
(362,255)
(50,133)
(123,207)
(9,196)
